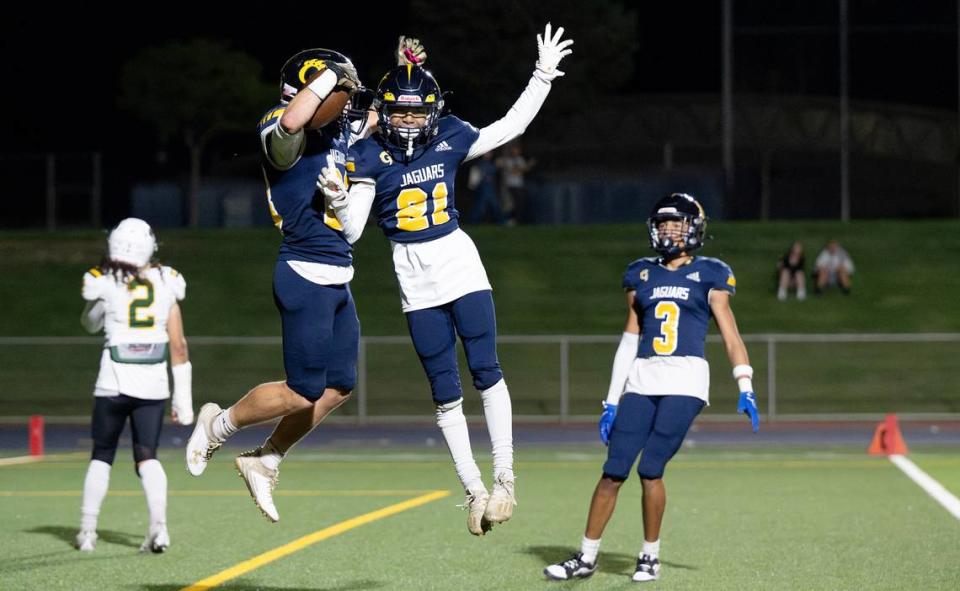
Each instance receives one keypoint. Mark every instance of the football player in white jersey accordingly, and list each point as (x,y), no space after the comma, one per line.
(135,303)
(407,174)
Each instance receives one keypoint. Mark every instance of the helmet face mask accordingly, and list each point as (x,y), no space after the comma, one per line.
(685,234)
(409,104)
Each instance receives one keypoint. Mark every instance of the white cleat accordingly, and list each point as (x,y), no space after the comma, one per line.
(86,541)
(475,505)
(202,444)
(157,540)
(502,501)
(260,481)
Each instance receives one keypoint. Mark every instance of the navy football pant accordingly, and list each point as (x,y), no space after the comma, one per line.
(321,333)
(654,424)
(434,332)
(110,414)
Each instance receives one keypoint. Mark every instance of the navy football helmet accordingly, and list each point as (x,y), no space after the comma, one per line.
(299,68)
(303,65)
(678,207)
(408,89)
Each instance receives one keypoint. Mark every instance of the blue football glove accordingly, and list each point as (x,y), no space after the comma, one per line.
(748,404)
(606,421)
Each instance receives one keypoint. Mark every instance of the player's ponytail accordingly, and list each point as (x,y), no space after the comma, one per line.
(122,272)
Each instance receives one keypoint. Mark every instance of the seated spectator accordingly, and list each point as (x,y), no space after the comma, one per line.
(833,267)
(791,272)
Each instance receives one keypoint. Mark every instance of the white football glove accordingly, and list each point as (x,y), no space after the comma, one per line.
(331,183)
(410,51)
(551,50)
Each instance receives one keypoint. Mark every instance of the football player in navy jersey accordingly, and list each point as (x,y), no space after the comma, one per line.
(320,328)
(406,174)
(660,378)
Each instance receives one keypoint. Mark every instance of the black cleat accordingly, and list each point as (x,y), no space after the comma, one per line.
(574,567)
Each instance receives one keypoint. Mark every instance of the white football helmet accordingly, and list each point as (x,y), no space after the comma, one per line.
(132,242)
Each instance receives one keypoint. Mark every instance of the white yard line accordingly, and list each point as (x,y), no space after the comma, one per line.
(931,486)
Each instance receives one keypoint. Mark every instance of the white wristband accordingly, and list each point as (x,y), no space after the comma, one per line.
(323,84)
(743,374)
(183,392)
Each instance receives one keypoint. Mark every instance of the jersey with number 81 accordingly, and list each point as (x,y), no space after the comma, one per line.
(673,306)
(415,199)
(135,311)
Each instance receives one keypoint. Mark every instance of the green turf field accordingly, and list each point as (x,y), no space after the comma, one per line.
(547,280)
(735,520)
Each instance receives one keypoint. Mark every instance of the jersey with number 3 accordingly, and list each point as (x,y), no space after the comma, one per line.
(414,200)
(673,305)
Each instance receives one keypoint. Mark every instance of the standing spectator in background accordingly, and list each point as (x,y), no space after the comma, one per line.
(513,166)
(791,273)
(134,301)
(483,182)
(833,267)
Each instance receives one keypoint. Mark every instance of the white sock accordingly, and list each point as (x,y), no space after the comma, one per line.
(589,549)
(270,456)
(453,425)
(223,427)
(651,549)
(95,487)
(801,293)
(154,481)
(499,414)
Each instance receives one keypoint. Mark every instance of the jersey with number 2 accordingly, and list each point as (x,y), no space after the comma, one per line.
(673,305)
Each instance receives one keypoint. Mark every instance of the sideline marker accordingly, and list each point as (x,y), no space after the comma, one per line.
(887,439)
(36,435)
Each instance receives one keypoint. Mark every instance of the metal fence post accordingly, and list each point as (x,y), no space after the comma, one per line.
(362,382)
(51,192)
(771,378)
(564,378)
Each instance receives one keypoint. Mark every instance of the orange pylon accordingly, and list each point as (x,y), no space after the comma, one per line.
(887,439)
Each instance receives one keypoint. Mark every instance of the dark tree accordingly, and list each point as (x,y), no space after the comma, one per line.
(484,51)
(192,91)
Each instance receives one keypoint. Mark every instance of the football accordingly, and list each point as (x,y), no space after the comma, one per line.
(331,107)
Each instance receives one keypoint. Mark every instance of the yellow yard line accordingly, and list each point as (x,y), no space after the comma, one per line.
(308,540)
(220,493)
(19,460)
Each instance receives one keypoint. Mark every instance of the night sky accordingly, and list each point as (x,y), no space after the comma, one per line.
(65,63)
(60,67)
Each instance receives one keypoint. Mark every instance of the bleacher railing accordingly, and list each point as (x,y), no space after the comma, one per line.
(551,377)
